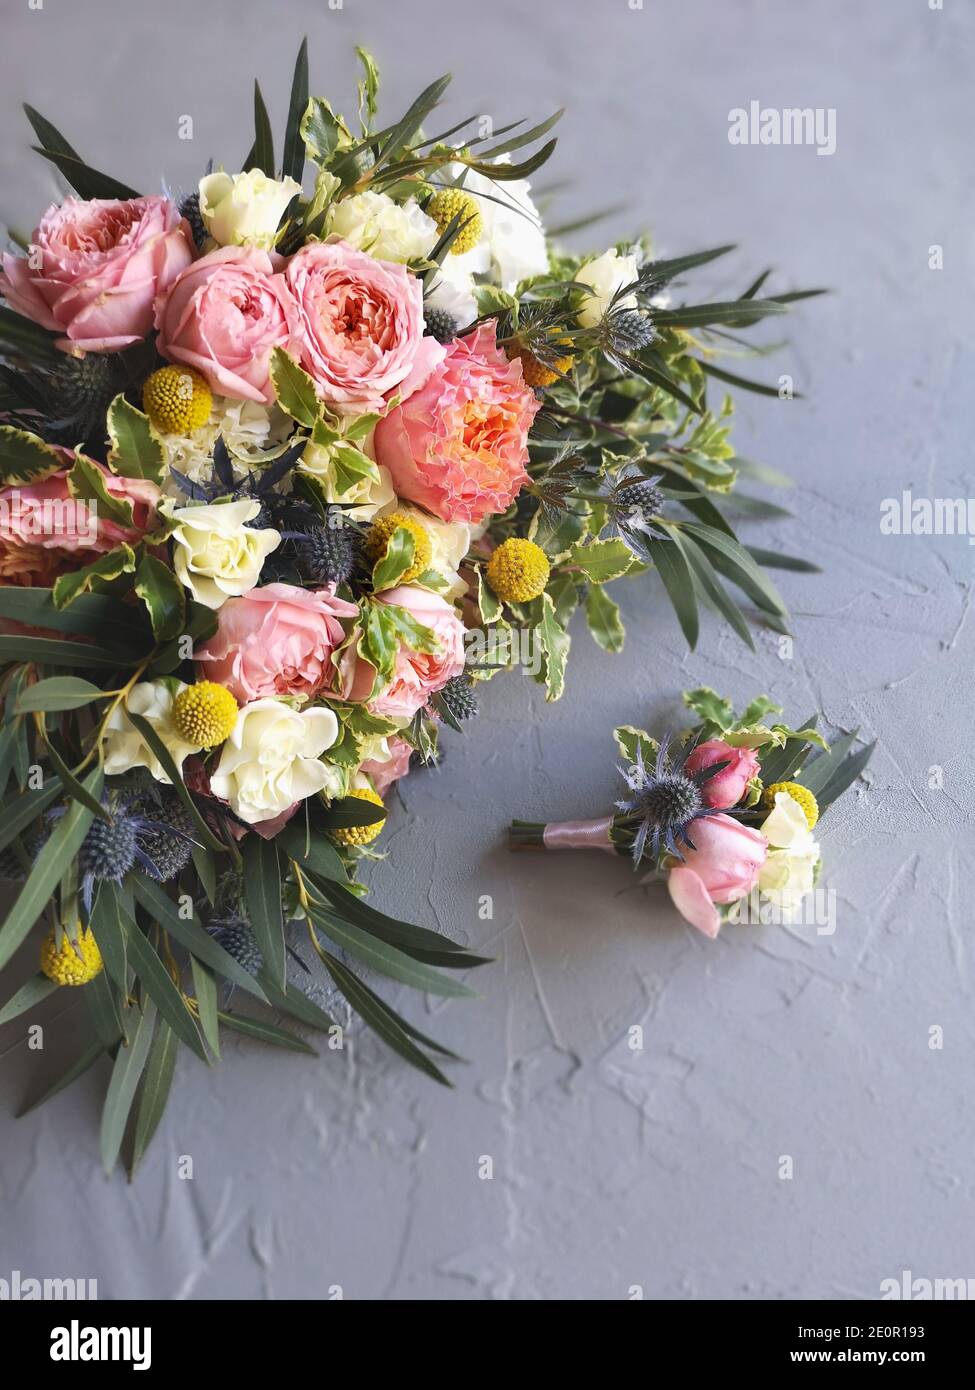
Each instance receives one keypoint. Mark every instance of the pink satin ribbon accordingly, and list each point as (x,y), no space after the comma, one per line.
(579,834)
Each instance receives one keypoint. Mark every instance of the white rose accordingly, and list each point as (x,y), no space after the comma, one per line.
(125,747)
(244,209)
(607,274)
(273,759)
(389,231)
(512,245)
(216,556)
(788,873)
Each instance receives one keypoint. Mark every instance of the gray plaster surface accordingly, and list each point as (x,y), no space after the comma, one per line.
(611,1168)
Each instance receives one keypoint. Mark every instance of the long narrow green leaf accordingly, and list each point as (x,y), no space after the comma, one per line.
(380,1017)
(78,1067)
(262,893)
(266,1032)
(38,987)
(50,652)
(87,182)
(103,1007)
(155,1090)
(58,693)
(419,942)
(172,772)
(263,138)
(312,851)
(18,812)
(57,853)
(666,270)
(676,577)
(105,922)
(91,615)
(295,1002)
(759,388)
(191,935)
(48,134)
(845,775)
(205,989)
(708,584)
(74,789)
(405,129)
(737,557)
(293,160)
(386,959)
(129,1063)
(775,559)
(159,985)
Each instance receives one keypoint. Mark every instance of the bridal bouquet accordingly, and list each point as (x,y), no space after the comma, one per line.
(287,463)
(726,811)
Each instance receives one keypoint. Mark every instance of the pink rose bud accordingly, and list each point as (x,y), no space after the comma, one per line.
(723,867)
(95,269)
(727,787)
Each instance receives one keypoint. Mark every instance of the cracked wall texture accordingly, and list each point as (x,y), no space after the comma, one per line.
(611,1168)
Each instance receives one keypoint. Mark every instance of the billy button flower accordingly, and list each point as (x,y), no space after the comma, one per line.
(449,203)
(381,532)
(75,963)
(177,400)
(518,570)
(802,796)
(205,714)
(360,834)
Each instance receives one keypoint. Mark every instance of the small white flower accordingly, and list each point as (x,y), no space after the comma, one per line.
(453,292)
(788,873)
(512,246)
(244,209)
(125,747)
(607,274)
(216,555)
(273,759)
(390,231)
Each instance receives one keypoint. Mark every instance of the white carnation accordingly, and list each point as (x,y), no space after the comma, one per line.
(390,231)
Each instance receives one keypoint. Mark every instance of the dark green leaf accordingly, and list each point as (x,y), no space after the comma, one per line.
(387,959)
(48,134)
(262,894)
(58,693)
(163,596)
(78,1067)
(50,652)
(155,1090)
(191,935)
(676,577)
(38,987)
(266,1032)
(105,922)
(775,559)
(87,182)
(293,162)
(205,990)
(263,138)
(129,1062)
(169,767)
(159,985)
(18,812)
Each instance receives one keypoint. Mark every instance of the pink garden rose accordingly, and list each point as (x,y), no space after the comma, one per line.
(384,772)
(727,787)
(458,444)
(417,675)
(276,640)
(360,322)
(45,532)
(223,316)
(99,266)
(722,868)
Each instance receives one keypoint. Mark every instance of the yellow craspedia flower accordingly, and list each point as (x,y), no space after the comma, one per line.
(381,532)
(801,795)
(177,400)
(444,206)
(74,964)
(518,571)
(360,834)
(536,373)
(205,714)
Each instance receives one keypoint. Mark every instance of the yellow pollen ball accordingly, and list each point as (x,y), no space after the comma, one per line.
(537,374)
(75,963)
(449,203)
(801,795)
(360,834)
(205,714)
(177,400)
(381,533)
(518,571)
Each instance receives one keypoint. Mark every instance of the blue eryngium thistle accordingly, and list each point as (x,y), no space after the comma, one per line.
(666,801)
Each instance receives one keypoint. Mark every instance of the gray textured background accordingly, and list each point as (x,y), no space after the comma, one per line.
(611,1168)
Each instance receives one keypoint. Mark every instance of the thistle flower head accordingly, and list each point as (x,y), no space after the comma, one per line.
(664,803)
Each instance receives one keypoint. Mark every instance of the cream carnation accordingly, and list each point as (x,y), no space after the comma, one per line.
(244,209)
(606,275)
(389,231)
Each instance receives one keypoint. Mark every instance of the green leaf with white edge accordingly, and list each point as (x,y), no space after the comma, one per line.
(36,989)
(163,596)
(24,458)
(205,990)
(86,483)
(416,635)
(361,427)
(266,1032)
(126,1072)
(136,450)
(488,603)
(629,739)
(395,562)
(262,895)
(156,1086)
(68,587)
(555,645)
(368,87)
(294,389)
(351,466)
(158,984)
(603,617)
(58,693)
(601,561)
(711,706)
(320,130)
(386,958)
(58,852)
